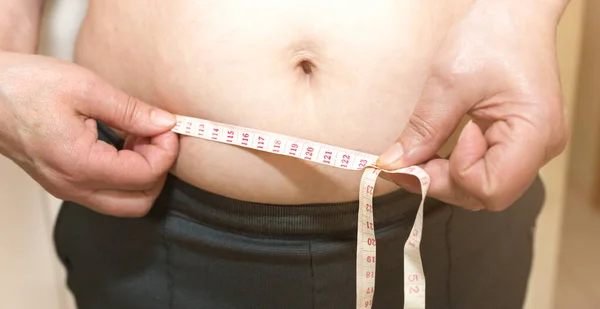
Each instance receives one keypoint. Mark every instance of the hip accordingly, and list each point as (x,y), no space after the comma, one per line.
(196,249)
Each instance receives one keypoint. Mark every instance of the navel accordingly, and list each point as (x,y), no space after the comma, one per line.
(307,66)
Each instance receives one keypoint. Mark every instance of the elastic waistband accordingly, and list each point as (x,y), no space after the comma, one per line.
(270,220)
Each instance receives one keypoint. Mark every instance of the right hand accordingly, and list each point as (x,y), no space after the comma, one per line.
(48,112)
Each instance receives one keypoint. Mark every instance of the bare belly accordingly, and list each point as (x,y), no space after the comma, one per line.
(345,73)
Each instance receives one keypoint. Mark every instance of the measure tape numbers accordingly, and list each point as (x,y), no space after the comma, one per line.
(366,251)
(274,143)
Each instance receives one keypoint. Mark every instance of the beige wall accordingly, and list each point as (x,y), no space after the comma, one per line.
(548,234)
(29,274)
(586,127)
(578,272)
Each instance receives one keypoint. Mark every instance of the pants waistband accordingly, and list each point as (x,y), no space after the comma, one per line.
(270,220)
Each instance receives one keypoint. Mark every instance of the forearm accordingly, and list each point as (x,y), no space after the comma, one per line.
(19,25)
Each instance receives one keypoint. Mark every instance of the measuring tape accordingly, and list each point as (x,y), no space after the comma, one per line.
(414,278)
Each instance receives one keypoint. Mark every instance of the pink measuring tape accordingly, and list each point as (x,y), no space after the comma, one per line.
(414,278)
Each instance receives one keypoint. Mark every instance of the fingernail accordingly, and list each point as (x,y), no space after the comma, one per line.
(162,118)
(391,155)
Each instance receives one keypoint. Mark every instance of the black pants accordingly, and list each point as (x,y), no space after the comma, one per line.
(198,250)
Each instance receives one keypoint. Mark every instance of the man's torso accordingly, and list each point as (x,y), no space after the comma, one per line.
(345,73)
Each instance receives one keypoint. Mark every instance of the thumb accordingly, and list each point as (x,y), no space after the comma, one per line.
(435,117)
(124,112)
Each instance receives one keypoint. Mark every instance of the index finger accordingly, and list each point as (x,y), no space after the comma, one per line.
(491,170)
(136,169)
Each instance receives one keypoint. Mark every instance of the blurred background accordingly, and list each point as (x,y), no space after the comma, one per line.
(567,252)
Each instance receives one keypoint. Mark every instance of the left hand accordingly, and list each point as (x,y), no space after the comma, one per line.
(498,65)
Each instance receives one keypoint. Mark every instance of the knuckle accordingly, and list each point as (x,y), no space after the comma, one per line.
(491,199)
(496,201)
(147,184)
(157,168)
(136,209)
(487,195)
(495,206)
(142,180)
(102,207)
(151,183)
(558,130)
(105,207)
(158,173)
(140,210)
(130,110)
(422,128)
(128,208)
(443,78)
(562,137)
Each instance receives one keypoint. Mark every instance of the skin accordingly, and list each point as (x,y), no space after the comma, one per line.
(47,123)
(510,88)
(479,67)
